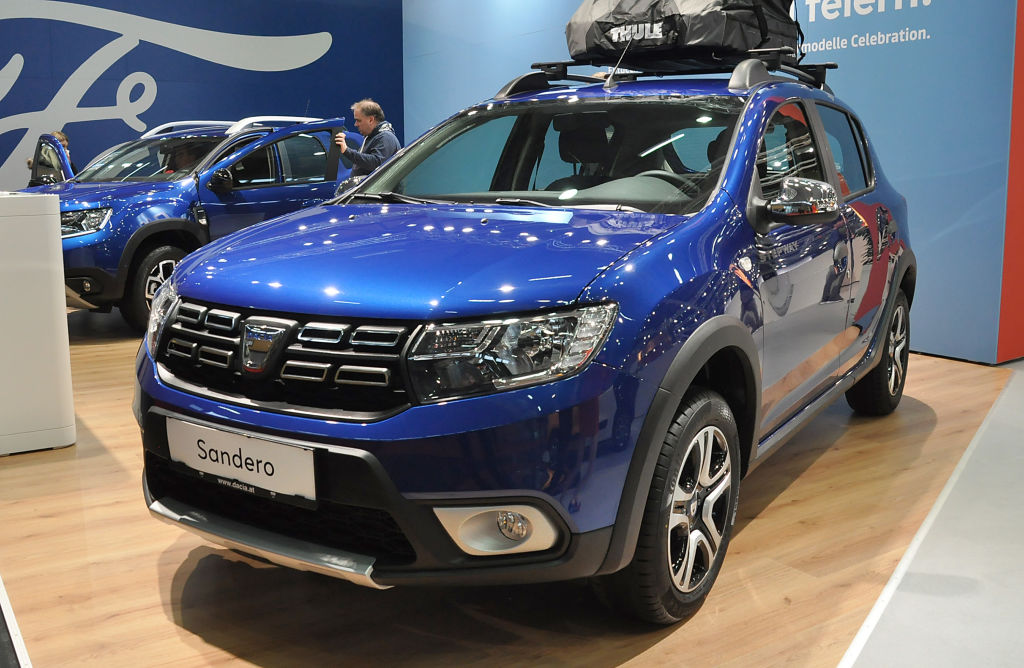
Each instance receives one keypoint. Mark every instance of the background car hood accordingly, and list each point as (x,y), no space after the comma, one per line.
(91,195)
(414,261)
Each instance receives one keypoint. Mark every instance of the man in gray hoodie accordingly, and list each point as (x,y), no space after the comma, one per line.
(379,140)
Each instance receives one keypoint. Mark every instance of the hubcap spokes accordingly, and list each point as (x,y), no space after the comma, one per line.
(897,350)
(160,273)
(700,504)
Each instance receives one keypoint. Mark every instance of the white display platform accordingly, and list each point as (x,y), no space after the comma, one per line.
(36,404)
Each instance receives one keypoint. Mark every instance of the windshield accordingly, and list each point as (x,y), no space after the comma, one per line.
(152,159)
(649,155)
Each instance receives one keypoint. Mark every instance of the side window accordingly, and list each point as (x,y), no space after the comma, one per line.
(48,163)
(241,143)
(787,149)
(254,169)
(464,164)
(303,157)
(847,150)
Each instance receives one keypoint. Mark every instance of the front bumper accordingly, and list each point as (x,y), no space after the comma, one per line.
(90,288)
(299,554)
(374,520)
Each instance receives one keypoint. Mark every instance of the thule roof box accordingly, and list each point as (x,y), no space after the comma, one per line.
(747,70)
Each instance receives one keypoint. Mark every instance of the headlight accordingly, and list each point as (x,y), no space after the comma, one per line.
(466,359)
(164,301)
(73,223)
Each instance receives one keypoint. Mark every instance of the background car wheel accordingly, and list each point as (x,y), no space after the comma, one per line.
(149,274)
(688,520)
(880,391)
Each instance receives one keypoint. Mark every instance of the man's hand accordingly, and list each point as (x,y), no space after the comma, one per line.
(339,139)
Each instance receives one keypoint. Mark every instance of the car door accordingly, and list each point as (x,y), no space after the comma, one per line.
(50,163)
(274,175)
(872,230)
(800,268)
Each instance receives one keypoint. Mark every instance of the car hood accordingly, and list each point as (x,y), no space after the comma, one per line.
(75,196)
(414,261)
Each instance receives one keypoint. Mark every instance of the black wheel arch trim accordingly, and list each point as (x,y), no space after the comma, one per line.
(198,233)
(906,263)
(711,337)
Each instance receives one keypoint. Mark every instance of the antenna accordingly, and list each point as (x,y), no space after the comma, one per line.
(609,83)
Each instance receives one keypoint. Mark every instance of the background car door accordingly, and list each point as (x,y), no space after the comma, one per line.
(273,176)
(51,163)
(801,272)
(249,200)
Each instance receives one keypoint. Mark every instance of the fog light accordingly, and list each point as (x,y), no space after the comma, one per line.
(495,530)
(513,525)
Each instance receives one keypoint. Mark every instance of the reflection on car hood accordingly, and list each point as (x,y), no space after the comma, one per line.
(96,194)
(414,261)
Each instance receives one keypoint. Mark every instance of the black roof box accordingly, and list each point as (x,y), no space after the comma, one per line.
(601,30)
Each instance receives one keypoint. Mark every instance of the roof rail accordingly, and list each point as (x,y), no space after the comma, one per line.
(755,69)
(183,125)
(253,121)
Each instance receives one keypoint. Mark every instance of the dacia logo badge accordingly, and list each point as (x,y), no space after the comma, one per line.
(260,340)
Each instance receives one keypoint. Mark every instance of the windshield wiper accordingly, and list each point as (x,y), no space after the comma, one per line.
(517,201)
(397,197)
(609,207)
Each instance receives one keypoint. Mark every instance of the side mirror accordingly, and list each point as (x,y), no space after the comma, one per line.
(221,181)
(803,202)
(348,184)
(42,180)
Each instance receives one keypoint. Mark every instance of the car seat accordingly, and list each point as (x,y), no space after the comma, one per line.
(718,150)
(582,142)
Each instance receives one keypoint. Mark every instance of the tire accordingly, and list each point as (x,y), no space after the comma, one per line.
(880,391)
(147,275)
(688,519)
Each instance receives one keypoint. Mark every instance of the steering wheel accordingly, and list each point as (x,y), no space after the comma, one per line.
(682,181)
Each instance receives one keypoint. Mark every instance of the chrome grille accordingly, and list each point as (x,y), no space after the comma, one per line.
(285,362)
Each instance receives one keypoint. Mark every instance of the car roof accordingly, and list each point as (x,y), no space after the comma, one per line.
(175,129)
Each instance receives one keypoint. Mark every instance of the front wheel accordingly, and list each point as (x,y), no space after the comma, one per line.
(880,391)
(688,519)
(149,274)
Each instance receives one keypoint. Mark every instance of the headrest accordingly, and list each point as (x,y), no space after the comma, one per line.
(718,148)
(582,137)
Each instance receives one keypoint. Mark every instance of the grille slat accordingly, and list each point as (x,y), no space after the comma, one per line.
(346,367)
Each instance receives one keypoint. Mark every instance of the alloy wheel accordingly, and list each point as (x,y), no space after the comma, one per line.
(700,508)
(897,350)
(160,272)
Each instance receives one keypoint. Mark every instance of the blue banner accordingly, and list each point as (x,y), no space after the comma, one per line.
(104,72)
(932,81)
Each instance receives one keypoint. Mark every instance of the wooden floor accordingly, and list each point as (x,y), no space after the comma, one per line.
(94,580)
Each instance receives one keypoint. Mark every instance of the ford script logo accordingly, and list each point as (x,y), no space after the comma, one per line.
(137,91)
(260,341)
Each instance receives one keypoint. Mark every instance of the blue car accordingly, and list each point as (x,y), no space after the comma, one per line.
(135,211)
(546,341)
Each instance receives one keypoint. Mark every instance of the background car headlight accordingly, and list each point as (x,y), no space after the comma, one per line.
(466,359)
(164,301)
(83,221)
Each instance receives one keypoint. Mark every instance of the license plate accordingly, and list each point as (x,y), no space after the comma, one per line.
(247,463)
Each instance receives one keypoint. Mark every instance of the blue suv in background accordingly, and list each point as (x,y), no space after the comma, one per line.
(136,210)
(545,342)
